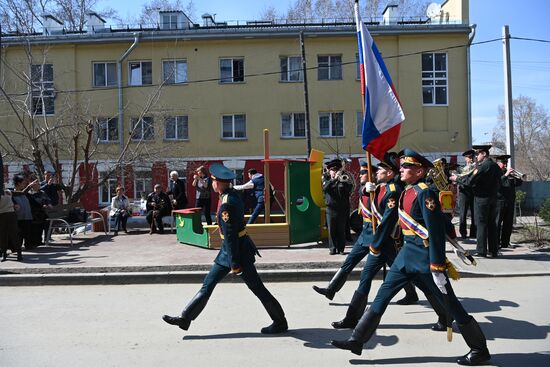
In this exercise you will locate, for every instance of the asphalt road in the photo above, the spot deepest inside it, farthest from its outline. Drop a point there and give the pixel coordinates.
(120, 325)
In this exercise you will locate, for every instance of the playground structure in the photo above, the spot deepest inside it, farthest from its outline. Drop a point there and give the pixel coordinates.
(301, 219)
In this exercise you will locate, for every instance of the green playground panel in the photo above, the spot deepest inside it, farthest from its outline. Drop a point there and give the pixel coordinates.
(189, 229)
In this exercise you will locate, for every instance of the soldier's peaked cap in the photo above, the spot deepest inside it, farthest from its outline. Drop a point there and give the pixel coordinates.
(391, 161)
(220, 172)
(410, 156)
(484, 147)
(469, 153)
(503, 157)
(335, 163)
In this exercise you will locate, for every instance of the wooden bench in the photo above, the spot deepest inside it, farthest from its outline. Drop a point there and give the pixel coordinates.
(58, 218)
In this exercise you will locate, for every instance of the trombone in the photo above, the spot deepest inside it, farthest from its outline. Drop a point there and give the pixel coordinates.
(517, 174)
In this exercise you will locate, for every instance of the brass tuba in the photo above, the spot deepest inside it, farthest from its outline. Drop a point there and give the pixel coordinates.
(441, 182)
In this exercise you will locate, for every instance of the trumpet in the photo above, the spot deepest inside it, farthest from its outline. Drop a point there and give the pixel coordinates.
(517, 174)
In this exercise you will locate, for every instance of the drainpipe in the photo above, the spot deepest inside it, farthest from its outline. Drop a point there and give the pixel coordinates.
(470, 40)
(121, 102)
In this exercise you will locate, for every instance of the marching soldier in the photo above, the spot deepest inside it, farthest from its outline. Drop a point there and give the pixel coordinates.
(337, 189)
(236, 256)
(422, 258)
(506, 199)
(382, 244)
(466, 197)
(484, 182)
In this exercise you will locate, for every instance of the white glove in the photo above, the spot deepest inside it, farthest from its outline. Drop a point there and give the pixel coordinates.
(370, 186)
(440, 280)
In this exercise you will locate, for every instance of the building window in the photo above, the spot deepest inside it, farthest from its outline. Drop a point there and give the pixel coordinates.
(293, 125)
(174, 71)
(104, 74)
(331, 124)
(142, 184)
(176, 128)
(231, 70)
(107, 190)
(234, 126)
(434, 79)
(291, 69)
(169, 21)
(107, 129)
(42, 90)
(142, 129)
(359, 123)
(141, 73)
(329, 67)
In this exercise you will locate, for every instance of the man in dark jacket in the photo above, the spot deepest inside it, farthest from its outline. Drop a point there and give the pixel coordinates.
(236, 256)
(158, 206)
(177, 190)
(506, 200)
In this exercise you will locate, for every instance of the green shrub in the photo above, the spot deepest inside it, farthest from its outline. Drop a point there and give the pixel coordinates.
(544, 211)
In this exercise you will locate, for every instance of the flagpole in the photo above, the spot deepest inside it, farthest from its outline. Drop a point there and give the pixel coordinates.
(369, 160)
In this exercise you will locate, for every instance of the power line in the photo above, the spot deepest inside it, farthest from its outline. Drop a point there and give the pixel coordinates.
(530, 39)
(268, 73)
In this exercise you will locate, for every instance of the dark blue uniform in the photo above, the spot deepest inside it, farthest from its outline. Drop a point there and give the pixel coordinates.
(423, 253)
(237, 254)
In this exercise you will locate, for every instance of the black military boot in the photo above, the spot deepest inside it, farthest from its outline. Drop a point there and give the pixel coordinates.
(410, 297)
(474, 337)
(335, 284)
(441, 324)
(353, 314)
(277, 314)
(361, 334)
(190, 313)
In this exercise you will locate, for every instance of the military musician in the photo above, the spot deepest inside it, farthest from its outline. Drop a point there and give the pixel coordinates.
(506, 199)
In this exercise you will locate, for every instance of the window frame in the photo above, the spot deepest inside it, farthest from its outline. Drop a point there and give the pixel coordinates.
(106, 71)
(184, 119)
(143, 181)
(359, 123)
(141, 63)
(285, 75)
(42, 90)
(110, 185)
(331, 128)
(433, 82)
(107, 121)
(175, 63)
(234, 76)
(233, 132)
(331, 65)
(142, 138)
(292, 125)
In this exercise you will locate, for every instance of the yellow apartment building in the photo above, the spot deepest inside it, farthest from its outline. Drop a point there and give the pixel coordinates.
(185, 94)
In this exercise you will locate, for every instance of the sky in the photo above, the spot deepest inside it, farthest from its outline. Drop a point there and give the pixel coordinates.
(530, 59)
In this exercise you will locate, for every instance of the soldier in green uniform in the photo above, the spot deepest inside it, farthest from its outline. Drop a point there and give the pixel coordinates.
(484, 182)
(422, 259)
(506, 200)
(236, 256)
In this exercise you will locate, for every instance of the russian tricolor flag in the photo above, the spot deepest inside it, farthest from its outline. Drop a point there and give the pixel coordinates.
(383, 112)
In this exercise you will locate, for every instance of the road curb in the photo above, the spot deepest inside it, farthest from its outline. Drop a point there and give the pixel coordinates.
(197, 277)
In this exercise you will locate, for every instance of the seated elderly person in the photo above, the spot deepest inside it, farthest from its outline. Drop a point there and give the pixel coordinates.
(158, 206)
(120, 210)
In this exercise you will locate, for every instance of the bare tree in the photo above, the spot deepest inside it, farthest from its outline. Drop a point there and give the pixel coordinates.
(25, 16)
(270, 13)
(531, 137)
(37, 137)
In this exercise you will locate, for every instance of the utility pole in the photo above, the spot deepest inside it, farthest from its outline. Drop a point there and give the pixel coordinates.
(306, 94)
(508, 105)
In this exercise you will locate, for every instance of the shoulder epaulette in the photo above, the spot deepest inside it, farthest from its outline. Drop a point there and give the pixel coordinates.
(392, 187)
(224, 198)
(423, 185)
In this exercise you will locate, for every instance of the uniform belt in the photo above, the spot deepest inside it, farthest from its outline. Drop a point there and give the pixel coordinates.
(241, 234)
(366, 219)
(408, 232)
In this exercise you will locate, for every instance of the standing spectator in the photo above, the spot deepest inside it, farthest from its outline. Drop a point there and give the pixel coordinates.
(120, 210)
(158, 206)
(8, 227)
(51, 188)
(203, 184)
(466, 197)
(485, 183)
(257, 184)
(506, 199)
(39, 204)
(337, 189)
(177, 191)
(23, 211)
